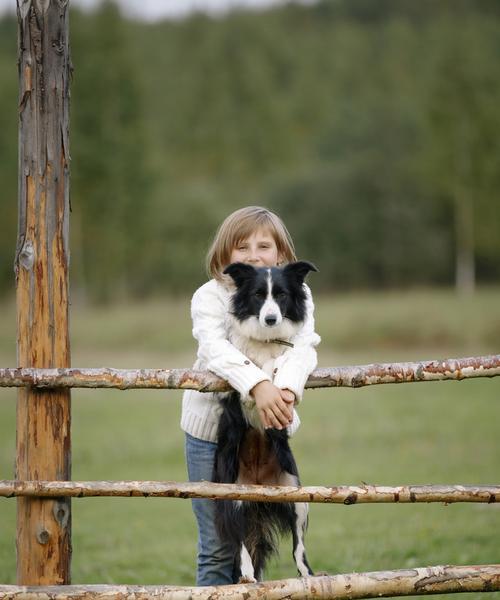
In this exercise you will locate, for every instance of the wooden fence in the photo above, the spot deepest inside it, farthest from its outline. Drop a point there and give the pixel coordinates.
(406, 582)
(203, 381)
(424, 580)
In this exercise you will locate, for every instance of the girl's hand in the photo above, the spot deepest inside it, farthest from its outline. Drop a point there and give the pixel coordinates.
(288, 396)
(273, 409)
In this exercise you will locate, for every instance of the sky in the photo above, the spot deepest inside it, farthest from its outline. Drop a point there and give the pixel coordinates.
(156, 9)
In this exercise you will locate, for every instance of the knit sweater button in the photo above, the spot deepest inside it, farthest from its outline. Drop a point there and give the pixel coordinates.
(247, 362)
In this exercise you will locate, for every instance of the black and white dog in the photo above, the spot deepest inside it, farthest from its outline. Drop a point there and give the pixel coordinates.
(268, 309)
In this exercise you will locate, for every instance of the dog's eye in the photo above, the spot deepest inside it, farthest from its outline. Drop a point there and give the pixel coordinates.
(260, 295)
(281, 295)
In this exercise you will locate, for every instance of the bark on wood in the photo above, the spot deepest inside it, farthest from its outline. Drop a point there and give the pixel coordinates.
(405, 582)
(259, 493)
(204, 381)
(41, 267)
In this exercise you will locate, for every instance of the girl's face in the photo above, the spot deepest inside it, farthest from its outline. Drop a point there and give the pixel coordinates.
(258, 250)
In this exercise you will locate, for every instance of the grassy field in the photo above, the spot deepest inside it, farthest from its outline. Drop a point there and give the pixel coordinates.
(416, 433)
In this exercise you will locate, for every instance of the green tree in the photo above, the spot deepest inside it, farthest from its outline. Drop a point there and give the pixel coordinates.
(112, 184)
(463, 148)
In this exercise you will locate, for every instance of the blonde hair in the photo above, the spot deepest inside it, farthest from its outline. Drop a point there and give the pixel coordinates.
(240, 225)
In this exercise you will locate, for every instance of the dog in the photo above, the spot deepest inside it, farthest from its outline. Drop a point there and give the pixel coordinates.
(268, 308)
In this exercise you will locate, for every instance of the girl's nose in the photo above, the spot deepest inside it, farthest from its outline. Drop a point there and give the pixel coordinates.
(254, 256)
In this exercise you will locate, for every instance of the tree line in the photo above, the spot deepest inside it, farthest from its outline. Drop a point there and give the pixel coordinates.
(372, 128)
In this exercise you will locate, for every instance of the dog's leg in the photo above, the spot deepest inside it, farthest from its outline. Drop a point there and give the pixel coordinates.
(230, 434)
(246, 566)
(283, 452)
(298, 525)
(263, 550)
(301, 510)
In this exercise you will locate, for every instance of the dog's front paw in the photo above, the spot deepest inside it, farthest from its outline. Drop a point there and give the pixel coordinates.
(247, 579)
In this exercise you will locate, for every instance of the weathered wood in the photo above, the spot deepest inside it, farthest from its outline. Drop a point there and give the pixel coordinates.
(204, 381)
(41, 267)
(405, 582)
(259, 493)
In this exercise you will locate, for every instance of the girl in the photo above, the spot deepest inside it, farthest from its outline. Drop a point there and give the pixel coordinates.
(258, 237)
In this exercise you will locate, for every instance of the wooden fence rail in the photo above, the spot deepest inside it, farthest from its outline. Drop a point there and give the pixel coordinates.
(348, 376)
(257, 493)
(405, 582)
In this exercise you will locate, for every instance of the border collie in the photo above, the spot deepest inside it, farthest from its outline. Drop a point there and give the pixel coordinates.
(268, 309)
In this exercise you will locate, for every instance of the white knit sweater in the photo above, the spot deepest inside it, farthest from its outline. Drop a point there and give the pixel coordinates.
(210, 307)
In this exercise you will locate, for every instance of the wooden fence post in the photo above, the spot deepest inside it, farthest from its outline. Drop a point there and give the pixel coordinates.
(41, 267)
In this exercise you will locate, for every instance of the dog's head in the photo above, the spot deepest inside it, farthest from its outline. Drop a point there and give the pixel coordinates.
(270, 296)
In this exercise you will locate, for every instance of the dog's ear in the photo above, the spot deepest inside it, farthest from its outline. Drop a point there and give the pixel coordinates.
(240, 272)
(299, 270)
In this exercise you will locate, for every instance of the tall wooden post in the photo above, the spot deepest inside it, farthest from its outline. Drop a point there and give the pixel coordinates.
(41, 266)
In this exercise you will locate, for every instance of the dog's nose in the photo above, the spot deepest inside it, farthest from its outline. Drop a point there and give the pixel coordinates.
(271, 320)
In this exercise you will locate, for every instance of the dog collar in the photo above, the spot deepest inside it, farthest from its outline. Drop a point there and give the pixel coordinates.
(281, 342)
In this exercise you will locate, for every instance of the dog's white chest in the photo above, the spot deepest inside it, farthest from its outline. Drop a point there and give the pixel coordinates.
(263, 354)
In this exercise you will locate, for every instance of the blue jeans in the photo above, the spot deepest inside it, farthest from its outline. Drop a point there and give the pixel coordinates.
(215, 559)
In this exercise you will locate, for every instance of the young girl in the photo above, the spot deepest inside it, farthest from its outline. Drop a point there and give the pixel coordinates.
(258, 237)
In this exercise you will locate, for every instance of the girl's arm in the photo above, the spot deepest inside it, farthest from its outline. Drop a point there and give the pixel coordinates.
(295, 365)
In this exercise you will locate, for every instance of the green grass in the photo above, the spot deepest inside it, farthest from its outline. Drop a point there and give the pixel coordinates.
(445, 432)
(374, 326)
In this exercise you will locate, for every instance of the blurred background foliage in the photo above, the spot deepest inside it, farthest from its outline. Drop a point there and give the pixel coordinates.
(372, 128)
